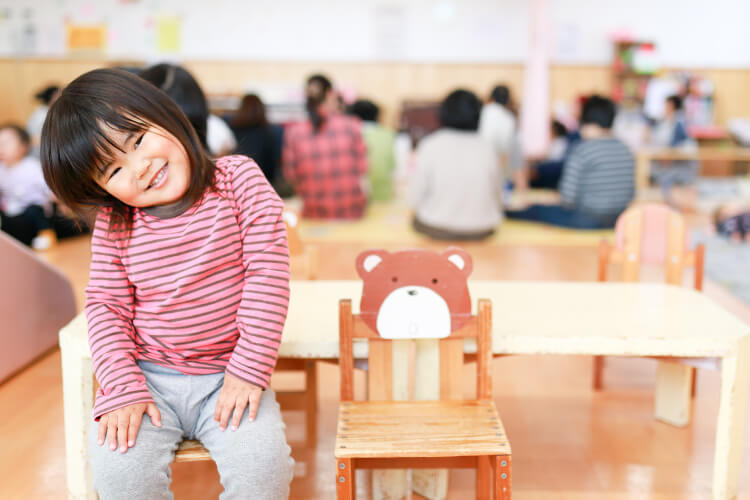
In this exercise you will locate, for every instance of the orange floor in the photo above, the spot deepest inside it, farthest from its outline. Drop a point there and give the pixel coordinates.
(568, 442)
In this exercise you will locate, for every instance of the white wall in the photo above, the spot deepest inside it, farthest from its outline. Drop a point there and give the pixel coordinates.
(691, 34)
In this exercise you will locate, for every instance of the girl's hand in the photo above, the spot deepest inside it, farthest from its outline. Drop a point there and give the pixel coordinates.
(235, 395)
(122, 425)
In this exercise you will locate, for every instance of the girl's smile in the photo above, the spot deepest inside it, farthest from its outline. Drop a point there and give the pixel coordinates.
(152, 169)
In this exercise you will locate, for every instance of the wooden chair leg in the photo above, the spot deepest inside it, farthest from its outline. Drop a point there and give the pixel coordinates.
(311, 402)
(484, 478)
(345, 486)
(692, 385)
(598, 373)
(502, 481)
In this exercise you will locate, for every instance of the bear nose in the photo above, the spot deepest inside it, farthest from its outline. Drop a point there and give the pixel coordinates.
(412, 292)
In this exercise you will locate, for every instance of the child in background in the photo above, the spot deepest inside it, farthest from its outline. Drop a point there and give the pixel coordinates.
(325, 158)
(558, 146)
(25, 199)
(732, 220)
(188, 290)
(457, 187)
(671, 132)
(46, 97)
(597, 181)
(380, 155)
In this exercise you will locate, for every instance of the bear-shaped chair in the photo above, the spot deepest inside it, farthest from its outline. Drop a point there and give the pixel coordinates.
(420, 295)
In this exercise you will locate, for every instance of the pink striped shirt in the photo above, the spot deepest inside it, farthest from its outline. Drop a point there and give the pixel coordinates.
(203, 292)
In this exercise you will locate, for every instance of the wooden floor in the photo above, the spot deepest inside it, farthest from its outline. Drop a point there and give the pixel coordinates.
(568, 442)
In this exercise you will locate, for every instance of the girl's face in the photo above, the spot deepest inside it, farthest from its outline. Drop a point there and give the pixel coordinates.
(154, 169)
(12, 148)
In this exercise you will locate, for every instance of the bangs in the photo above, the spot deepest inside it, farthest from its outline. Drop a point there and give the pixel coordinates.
(103, 147)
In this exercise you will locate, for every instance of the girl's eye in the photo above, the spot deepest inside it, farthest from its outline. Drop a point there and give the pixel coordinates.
(138, 142)
(114, 172)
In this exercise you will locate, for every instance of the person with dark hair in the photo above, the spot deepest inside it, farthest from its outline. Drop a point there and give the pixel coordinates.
(188, 289)
(598, 177)
(25, 200)
(46, 96)
(380, 142)
(256, 138)
(325, 158)
(497, 124)
(456, 190)
(671, 132)
(183, 89)
(179, 84)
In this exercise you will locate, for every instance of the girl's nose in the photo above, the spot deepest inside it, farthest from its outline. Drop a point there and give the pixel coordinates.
(143, 167)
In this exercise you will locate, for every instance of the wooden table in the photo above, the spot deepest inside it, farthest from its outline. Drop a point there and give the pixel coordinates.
(644, 157)
(620, 319)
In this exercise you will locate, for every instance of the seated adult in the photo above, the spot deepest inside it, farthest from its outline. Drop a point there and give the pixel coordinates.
(256, 138)
(598, 179)
(325, 158)
(457, 187)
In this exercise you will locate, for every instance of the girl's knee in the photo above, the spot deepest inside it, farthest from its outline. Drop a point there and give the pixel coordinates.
(128, 475)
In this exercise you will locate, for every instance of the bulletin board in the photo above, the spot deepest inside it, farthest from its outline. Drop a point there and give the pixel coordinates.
(687, 34)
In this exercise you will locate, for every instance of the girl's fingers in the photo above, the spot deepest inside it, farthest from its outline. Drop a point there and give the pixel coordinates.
(122, 431)
(153, 412)
(102, 434)
(226, 410)
(112, 432)
(135, 424)
(239, 409)
(252, 409)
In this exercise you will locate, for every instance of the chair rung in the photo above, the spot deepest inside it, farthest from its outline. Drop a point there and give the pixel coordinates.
(191, 451)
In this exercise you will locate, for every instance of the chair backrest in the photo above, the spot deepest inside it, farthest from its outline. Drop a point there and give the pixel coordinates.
(380, 355)
(302, 255)
(652, 233)
(415, 297)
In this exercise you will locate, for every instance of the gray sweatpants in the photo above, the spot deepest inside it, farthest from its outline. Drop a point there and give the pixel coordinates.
(253, 462)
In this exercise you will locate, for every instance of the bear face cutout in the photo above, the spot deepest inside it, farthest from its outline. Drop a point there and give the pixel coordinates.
(415, 293)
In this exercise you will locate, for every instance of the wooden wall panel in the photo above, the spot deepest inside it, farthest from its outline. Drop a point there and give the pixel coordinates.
(386, 83)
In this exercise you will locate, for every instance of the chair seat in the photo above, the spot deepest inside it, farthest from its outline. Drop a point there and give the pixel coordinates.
(191, 451)
(383, 429)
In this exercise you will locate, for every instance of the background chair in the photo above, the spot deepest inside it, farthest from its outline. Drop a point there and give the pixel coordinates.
(655, 234)
(451, 432)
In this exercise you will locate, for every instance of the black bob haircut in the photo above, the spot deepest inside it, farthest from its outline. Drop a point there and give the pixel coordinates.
(365, 109)
(76, 144)
(183, 88)
(460, 110)
(500, 94)
(598, 110)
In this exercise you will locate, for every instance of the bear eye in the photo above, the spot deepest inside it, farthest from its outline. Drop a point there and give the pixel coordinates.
(394, 279)
(434, 281)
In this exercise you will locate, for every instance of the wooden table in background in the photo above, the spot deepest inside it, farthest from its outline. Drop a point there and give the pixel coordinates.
(613, 319)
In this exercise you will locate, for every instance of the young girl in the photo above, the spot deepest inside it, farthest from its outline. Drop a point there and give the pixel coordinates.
(187, 295)
(25, 200)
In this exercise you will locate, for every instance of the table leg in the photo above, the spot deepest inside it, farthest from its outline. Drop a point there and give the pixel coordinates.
(672, 397)
(78, 401)
(735, 369)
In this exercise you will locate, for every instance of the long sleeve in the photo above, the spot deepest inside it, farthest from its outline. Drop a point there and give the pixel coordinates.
(572, 177)
(360, 152)
(265, 258)
(109, 312)
(289, 157)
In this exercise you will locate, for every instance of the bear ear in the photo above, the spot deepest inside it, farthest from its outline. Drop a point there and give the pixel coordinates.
(369, 260)
(291, 218)
(460, 258)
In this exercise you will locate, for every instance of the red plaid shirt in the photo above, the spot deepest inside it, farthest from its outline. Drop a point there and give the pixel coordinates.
(327, 168)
